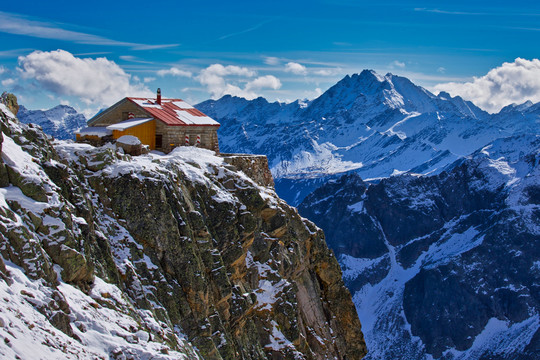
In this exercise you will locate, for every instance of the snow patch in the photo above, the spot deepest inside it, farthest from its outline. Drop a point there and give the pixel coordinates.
(129, 140)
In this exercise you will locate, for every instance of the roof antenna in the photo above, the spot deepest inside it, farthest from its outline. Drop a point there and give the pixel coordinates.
(158, 99)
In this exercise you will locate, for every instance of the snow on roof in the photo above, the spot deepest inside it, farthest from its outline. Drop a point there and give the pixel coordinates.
(94, 131)
(182, 104)
(129, 140)
(191, 119)
(123, 125)
(145, 103)
(175, 112)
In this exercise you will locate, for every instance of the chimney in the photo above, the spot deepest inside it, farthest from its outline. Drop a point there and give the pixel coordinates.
(158, 99)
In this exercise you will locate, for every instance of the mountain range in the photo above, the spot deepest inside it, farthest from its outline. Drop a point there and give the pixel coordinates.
(369, 124)
(430, 203)
(61, 121)
(443, 266)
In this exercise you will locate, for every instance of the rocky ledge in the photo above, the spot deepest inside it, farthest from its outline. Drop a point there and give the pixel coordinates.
(182, 256)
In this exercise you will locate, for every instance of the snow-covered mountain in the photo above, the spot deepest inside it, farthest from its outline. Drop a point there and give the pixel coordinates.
(61, 121)
(443, 266)
(367, 123)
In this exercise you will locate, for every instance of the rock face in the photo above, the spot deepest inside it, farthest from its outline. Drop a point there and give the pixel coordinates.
(254, 166)
(10, 101)
(130, 145)
(443, 266)
(169, 257)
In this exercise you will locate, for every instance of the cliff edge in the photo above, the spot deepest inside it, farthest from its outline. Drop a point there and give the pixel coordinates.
(182, 256)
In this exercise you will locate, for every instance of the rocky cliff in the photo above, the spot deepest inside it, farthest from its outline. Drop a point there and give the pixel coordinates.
(183, 256)
(443, 266)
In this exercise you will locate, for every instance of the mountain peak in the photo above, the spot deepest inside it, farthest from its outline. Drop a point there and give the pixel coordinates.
(365, 77)
(517, 107)
(60, 121)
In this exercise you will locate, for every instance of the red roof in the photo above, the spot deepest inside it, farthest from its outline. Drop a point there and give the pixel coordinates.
(174, 112)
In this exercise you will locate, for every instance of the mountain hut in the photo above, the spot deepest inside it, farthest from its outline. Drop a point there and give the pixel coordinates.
(161, 124)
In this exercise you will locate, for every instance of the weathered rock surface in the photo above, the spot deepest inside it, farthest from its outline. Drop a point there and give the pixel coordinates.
(254, 166)
(443, 266)
(10, 101)
(176, 256)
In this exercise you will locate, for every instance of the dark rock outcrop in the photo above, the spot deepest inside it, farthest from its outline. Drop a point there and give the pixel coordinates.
(456, 254)
(10, 101)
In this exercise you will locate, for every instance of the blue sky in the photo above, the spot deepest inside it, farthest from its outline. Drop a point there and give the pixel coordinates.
(91, 54)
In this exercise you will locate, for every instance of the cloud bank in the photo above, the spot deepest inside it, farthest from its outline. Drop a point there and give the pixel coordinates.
(174, 71)
(95, 81)
(296, 68)
(233, 80)
(512, 82)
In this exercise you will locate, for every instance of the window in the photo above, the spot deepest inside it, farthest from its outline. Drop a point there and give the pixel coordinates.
(159, 141)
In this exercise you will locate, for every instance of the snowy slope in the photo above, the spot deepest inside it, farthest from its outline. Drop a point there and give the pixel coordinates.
(98, 332)
(367, 123)
(61, 121)
(443, 266)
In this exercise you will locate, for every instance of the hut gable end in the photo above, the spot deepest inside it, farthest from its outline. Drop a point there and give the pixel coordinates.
(117, 113)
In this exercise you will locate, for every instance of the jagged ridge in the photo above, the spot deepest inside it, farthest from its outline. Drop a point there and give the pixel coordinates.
(60, 122)
(367, 123)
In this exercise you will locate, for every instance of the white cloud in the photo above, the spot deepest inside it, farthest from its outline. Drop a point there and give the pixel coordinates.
(514, 82)
(149, 79)
(271, 60)
(295, 68)
(8, 82)
(2, 69)
(217, 80)
(312, 94)
(95, 81)
(264, 82)
(441, 70)
(327, 72)
(174, 71)
(128, 57)
(220, 70)
(397, 64)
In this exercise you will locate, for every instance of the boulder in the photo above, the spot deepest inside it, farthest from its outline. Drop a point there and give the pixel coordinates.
(130, 144)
